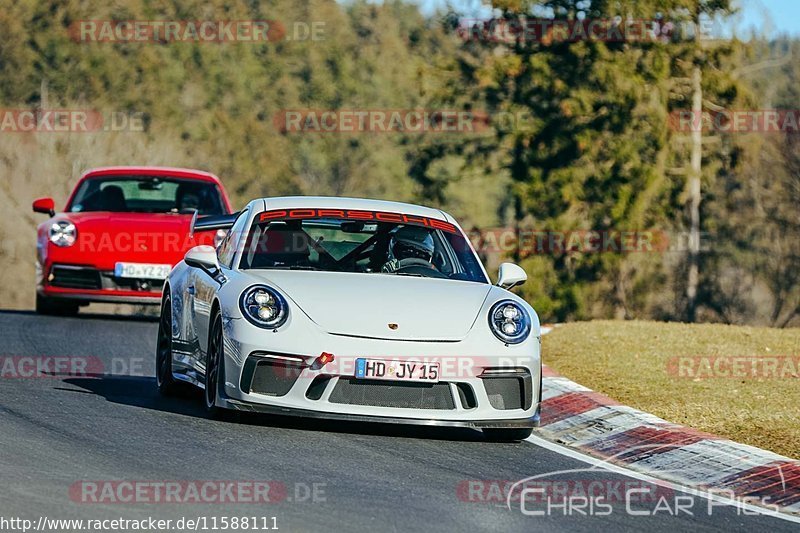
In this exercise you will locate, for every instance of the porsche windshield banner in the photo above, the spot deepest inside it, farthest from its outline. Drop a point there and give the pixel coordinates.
(365, 216)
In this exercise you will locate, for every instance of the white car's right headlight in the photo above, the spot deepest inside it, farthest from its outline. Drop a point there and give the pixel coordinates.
(509, 322)
(63, 233)
(264, 306)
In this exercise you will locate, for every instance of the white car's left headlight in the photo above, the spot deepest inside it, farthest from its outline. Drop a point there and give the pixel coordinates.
(509, 322)
(264, 306)
(63, 233)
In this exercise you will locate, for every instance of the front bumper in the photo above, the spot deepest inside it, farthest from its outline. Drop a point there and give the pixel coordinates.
(500, 390)
(523, 423)
(88, 284)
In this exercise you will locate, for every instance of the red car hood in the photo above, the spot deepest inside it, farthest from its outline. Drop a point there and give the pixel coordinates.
(105, 238)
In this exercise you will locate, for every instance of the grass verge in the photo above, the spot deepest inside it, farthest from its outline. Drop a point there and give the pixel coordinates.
(738, 382)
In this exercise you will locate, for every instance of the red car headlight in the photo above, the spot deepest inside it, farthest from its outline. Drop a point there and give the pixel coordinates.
(63, 233)
(219, 236)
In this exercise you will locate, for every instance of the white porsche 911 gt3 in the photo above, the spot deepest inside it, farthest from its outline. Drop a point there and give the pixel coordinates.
(351, 309)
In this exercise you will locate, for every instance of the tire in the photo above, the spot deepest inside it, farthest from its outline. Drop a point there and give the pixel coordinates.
(215, 371)
(167, 385)
(507, 435)
(49, 306)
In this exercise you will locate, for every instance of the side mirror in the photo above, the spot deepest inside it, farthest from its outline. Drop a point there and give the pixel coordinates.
(44, 205)
(510, 276)
(204, 257)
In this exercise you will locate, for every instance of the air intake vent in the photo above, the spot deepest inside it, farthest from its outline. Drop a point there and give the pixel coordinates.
(317, 387)
(467, 396)
(508, 390)
(273, 377)
(75, 278)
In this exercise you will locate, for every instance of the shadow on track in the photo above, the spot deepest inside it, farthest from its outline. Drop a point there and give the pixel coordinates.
(141, 392)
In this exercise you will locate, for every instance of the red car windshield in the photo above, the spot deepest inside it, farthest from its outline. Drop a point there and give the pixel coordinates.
(147, 194)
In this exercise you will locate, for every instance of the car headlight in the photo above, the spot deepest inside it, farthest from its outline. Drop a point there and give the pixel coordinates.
(63, 233)
(509, 322)
(264, 307)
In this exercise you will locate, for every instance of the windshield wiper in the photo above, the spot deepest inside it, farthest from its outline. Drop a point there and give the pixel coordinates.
(411, 274)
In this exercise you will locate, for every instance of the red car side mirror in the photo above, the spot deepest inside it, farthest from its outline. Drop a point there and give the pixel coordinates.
(44, 205)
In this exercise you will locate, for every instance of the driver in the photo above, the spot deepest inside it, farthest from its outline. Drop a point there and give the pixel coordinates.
(409, 246)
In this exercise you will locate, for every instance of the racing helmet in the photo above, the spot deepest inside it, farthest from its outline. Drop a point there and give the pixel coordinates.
(412, 242)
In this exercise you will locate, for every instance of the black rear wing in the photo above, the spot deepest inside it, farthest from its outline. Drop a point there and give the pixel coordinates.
(212, 222)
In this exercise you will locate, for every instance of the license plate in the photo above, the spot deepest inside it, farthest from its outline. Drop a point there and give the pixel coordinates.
(142, 270)
(397, 370)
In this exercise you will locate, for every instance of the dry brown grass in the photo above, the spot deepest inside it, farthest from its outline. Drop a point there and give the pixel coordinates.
(629, 362)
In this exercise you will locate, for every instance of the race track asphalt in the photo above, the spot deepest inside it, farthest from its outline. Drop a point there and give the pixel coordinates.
(58, 430)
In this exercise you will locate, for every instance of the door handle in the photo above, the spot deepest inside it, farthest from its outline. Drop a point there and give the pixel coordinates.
(190, 289)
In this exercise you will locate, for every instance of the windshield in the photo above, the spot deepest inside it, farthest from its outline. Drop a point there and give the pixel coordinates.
(418, 246)
(147, 194)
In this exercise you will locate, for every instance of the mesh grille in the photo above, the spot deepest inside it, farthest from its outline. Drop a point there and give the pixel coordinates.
(504, 392)
(274, 378)
(394, 394)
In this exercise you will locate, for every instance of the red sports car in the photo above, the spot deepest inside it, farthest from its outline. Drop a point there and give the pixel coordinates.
(123, 230)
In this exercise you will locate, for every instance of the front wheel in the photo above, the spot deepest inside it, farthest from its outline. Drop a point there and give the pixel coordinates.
(167, 385)
(507, 435)
(215, 370)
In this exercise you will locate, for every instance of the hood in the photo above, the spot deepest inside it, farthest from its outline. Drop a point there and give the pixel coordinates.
(135, 237)
(364, 305)
(106, 219)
